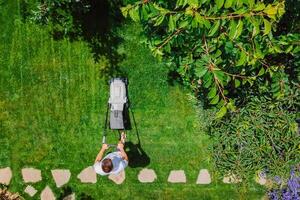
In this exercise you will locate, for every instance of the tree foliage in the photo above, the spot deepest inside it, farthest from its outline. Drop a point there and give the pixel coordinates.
(218, 46)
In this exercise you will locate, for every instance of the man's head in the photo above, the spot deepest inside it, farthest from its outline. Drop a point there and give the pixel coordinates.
(107, 165)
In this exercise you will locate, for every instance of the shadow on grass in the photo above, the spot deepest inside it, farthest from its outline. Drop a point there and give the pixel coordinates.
(98, 27)
(136, 155)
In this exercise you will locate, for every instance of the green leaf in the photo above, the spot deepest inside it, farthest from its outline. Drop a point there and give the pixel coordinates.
(267, 25)
(259, 7)
(271, 11)
(256, 29)
(215, 100)
(239, 29)
(207, 80)
(237, 83)
(232, 29)
(134, 14)
(159, 20)
(228, 3)
(193, 3)
(221, 112)
(242, 59)
(212, 93)
(219, 3)
(261, 71)
(200, 71)
(219, 75)
(250, 3)
(171, 23)
(214, 29)
(183, 24)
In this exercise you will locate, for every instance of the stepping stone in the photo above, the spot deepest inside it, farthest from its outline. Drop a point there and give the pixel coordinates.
(31, 175)
(88, 175)
(70, 197)
(147, 176)
(231, 179)
(203, 177)
(177, 176)
(61, 176)
(117, 178)
(31, 191)
(47, 194)
(5, 175)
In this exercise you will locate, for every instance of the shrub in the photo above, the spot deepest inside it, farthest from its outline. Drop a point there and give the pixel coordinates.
(260, 136)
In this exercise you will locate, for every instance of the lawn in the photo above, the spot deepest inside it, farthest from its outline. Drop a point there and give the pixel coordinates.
(52, 109)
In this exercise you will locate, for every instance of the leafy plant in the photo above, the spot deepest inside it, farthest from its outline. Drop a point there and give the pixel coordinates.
(218, 46)
(261, 136)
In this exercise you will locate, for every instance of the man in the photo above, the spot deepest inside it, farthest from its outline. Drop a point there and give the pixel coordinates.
(112, 163)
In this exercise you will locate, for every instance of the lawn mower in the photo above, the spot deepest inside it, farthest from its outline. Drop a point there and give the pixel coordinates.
(117, 107)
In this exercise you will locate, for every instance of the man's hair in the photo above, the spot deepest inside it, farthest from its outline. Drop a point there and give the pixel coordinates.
(107, 165)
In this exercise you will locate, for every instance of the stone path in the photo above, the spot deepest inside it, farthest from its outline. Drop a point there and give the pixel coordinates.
(30, 190)
(31, 175)
(147, 176)
(177, 176)
(47, 194)
(61, 176)
(119, 178)
(88, 175)
(203, 177)
(5, 175)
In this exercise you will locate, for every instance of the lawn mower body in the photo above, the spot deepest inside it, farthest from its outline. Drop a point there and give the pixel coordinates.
(117, 105)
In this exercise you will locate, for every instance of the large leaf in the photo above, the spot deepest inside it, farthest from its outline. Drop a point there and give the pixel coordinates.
(267, 26)
(270, 11)
(239, 29)
(232, 29)
(219, 3)
(215, 100)
(242, 59)
(221, 112)
(214, 29)
(171, 23)
(212, 93)
(193, 3)
(228, 3)
(134, 14)
(200, 71)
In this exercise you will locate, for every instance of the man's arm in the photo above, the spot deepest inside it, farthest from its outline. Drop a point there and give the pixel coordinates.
(123, 153)
(101, 152)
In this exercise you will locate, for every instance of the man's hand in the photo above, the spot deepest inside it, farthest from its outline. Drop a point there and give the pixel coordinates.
(100, 154)
(104, 147)
(120, 146)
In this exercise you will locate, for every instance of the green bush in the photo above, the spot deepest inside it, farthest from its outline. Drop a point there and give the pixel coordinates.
(218, 46)
(260, 136)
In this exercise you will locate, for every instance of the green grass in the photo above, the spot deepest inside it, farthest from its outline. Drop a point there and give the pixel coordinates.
(52, 108)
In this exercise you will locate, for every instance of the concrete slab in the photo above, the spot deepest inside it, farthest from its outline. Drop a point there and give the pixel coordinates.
(47, 194)
(88, 175)
(177, 176)
(30, 190)
(5, 175)
(147, 176)
(31, 175)
(203, 177)
(61, 176)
